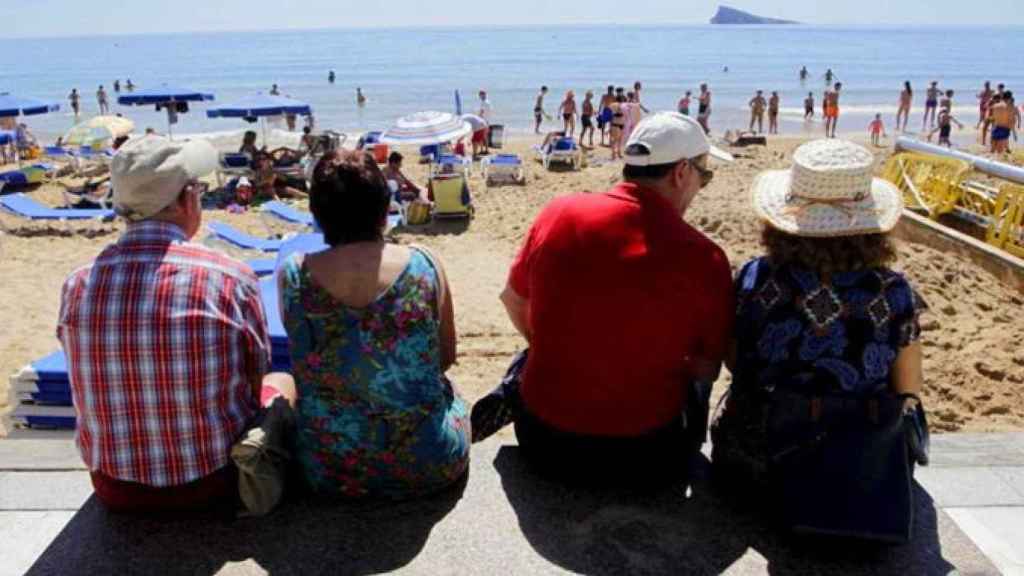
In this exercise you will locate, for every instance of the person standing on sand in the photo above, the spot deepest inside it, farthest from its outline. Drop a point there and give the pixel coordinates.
(481, 138)
(101, 100)
(636, 91)
(1003, 121)
(618, 125)
(568, 111)
(906, 101)
(946, 104)
(634, 113)
(75, 101)
(684, 103)
(587, 118)
(984, 119)
(773, 113)
(931, 106)
(604, 121)
(809, 106)
(945, 128)
(538, 109)
(877, 130)
(704, 108)
(832, 110)
(757, 105)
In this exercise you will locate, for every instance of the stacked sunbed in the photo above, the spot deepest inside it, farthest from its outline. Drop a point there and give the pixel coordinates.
(42, 390)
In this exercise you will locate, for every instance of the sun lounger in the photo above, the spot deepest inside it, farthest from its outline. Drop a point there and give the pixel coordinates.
(563, 150)
(451, 197)
(263, 266)
(25, 207)
(232, 165)
(44, 416)
(25, 176)
(447, 163)
(287, 213)
(236, 237)
(43, 393)
(502, 168)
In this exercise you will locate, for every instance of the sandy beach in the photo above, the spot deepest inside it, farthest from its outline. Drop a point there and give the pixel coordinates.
(974, 368)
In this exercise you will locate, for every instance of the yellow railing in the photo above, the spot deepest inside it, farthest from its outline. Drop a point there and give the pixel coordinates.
(931, 183)
(1006, 226)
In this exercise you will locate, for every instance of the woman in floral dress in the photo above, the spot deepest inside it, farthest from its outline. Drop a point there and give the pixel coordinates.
(371, 333)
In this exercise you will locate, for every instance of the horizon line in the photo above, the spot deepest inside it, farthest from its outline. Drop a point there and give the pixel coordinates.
(455, 27)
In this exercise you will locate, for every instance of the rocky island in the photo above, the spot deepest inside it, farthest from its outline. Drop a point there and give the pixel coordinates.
(727, 15)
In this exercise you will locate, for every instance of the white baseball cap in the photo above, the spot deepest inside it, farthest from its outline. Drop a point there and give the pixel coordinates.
(668, 137)
(148, 173)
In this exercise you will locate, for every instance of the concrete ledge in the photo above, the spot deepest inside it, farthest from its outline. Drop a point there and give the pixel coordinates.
(505, 519)
(50, 454)
(915, 228)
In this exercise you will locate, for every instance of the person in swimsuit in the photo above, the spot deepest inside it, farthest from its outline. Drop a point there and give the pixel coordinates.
(331, 77)
(634, 113)
(636, 93)
(360, 98)
(946, 104)
(1003, 121)
(568, 111)
(906, 101)
(75, 100)
(931, 105)
(945, 128)
(809, 106)
(604, 120)
(684, 104)
(586, 118)
(538, 109)
(984, 99)
(128, 85)
(877, 130)
(803, 74)
(832, 110)
(773, 113)
(829, 76)
(757, 105)
(618, 124)
(704, 108)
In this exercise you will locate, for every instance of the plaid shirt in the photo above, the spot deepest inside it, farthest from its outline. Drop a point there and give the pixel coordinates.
(164, 341)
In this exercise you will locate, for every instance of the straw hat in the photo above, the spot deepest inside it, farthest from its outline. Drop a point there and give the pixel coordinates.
(828, 192)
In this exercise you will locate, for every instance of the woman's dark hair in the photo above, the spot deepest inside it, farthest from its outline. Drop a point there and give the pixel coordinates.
(909, 89)
(828, 256)
(395, 158)
(349, 198)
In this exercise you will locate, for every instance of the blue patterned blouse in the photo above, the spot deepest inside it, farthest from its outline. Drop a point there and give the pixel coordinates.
(376, 417)
(795, 332)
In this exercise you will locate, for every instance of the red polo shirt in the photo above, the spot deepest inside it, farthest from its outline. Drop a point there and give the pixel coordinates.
(626, 302)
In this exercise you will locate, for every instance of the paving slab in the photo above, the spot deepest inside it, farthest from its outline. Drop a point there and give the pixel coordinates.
(22, 491)
(25, 535)
(998, 532)
(504, 519)
(969, 486)
(976, 449)
(49, 453)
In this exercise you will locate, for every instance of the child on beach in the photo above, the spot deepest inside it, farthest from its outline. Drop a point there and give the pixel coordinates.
(945, 128)
(809, 106)
(684, 104)
(877, 129)
(586, 118)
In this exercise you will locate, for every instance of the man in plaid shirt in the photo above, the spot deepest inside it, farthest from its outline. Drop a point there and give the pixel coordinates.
(166, 342)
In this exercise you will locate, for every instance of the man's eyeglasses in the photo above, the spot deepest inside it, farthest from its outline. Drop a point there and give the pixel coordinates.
(700, 164)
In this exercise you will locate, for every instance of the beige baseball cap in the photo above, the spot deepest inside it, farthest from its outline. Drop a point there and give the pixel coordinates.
(668, 137)
(148, 173)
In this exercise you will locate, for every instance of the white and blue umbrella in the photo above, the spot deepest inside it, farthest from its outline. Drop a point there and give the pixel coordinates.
(424, 128)
(11, 106)
(163, 96)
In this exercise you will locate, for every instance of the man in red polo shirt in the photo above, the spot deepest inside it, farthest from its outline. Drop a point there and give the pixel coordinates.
(624, 306)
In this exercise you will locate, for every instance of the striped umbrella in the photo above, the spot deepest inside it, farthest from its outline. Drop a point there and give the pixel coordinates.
(475, 122)
(423, 128)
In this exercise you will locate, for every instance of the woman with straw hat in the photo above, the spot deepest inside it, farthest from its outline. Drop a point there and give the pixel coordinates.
(821, 318)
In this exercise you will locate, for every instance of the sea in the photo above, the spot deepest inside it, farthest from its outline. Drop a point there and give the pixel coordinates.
(412, 69)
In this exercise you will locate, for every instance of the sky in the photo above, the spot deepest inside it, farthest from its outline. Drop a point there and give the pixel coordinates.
(78, 17)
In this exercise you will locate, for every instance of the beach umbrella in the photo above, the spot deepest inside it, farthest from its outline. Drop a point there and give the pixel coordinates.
(424, 128)
(98, 129)
(458, 103)
(167, 97)
(261, 106)
(11, 106)
(475, 122)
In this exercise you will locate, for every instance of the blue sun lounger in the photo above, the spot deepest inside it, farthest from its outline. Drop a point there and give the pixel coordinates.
(22, 205)
(287, 213)
(43, 392)
(236, 237)
(262, 266)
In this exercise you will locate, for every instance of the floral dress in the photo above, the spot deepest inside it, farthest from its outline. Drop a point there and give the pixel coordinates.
(795, 331)
(375, 415)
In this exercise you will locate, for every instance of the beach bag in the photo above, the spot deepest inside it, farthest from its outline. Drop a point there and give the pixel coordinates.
(825, 465)
(262, 457)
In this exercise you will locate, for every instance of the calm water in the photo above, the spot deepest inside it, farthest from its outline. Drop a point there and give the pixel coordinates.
(405, 70)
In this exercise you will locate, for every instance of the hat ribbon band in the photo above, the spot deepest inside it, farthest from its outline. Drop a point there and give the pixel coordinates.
(841, 204)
